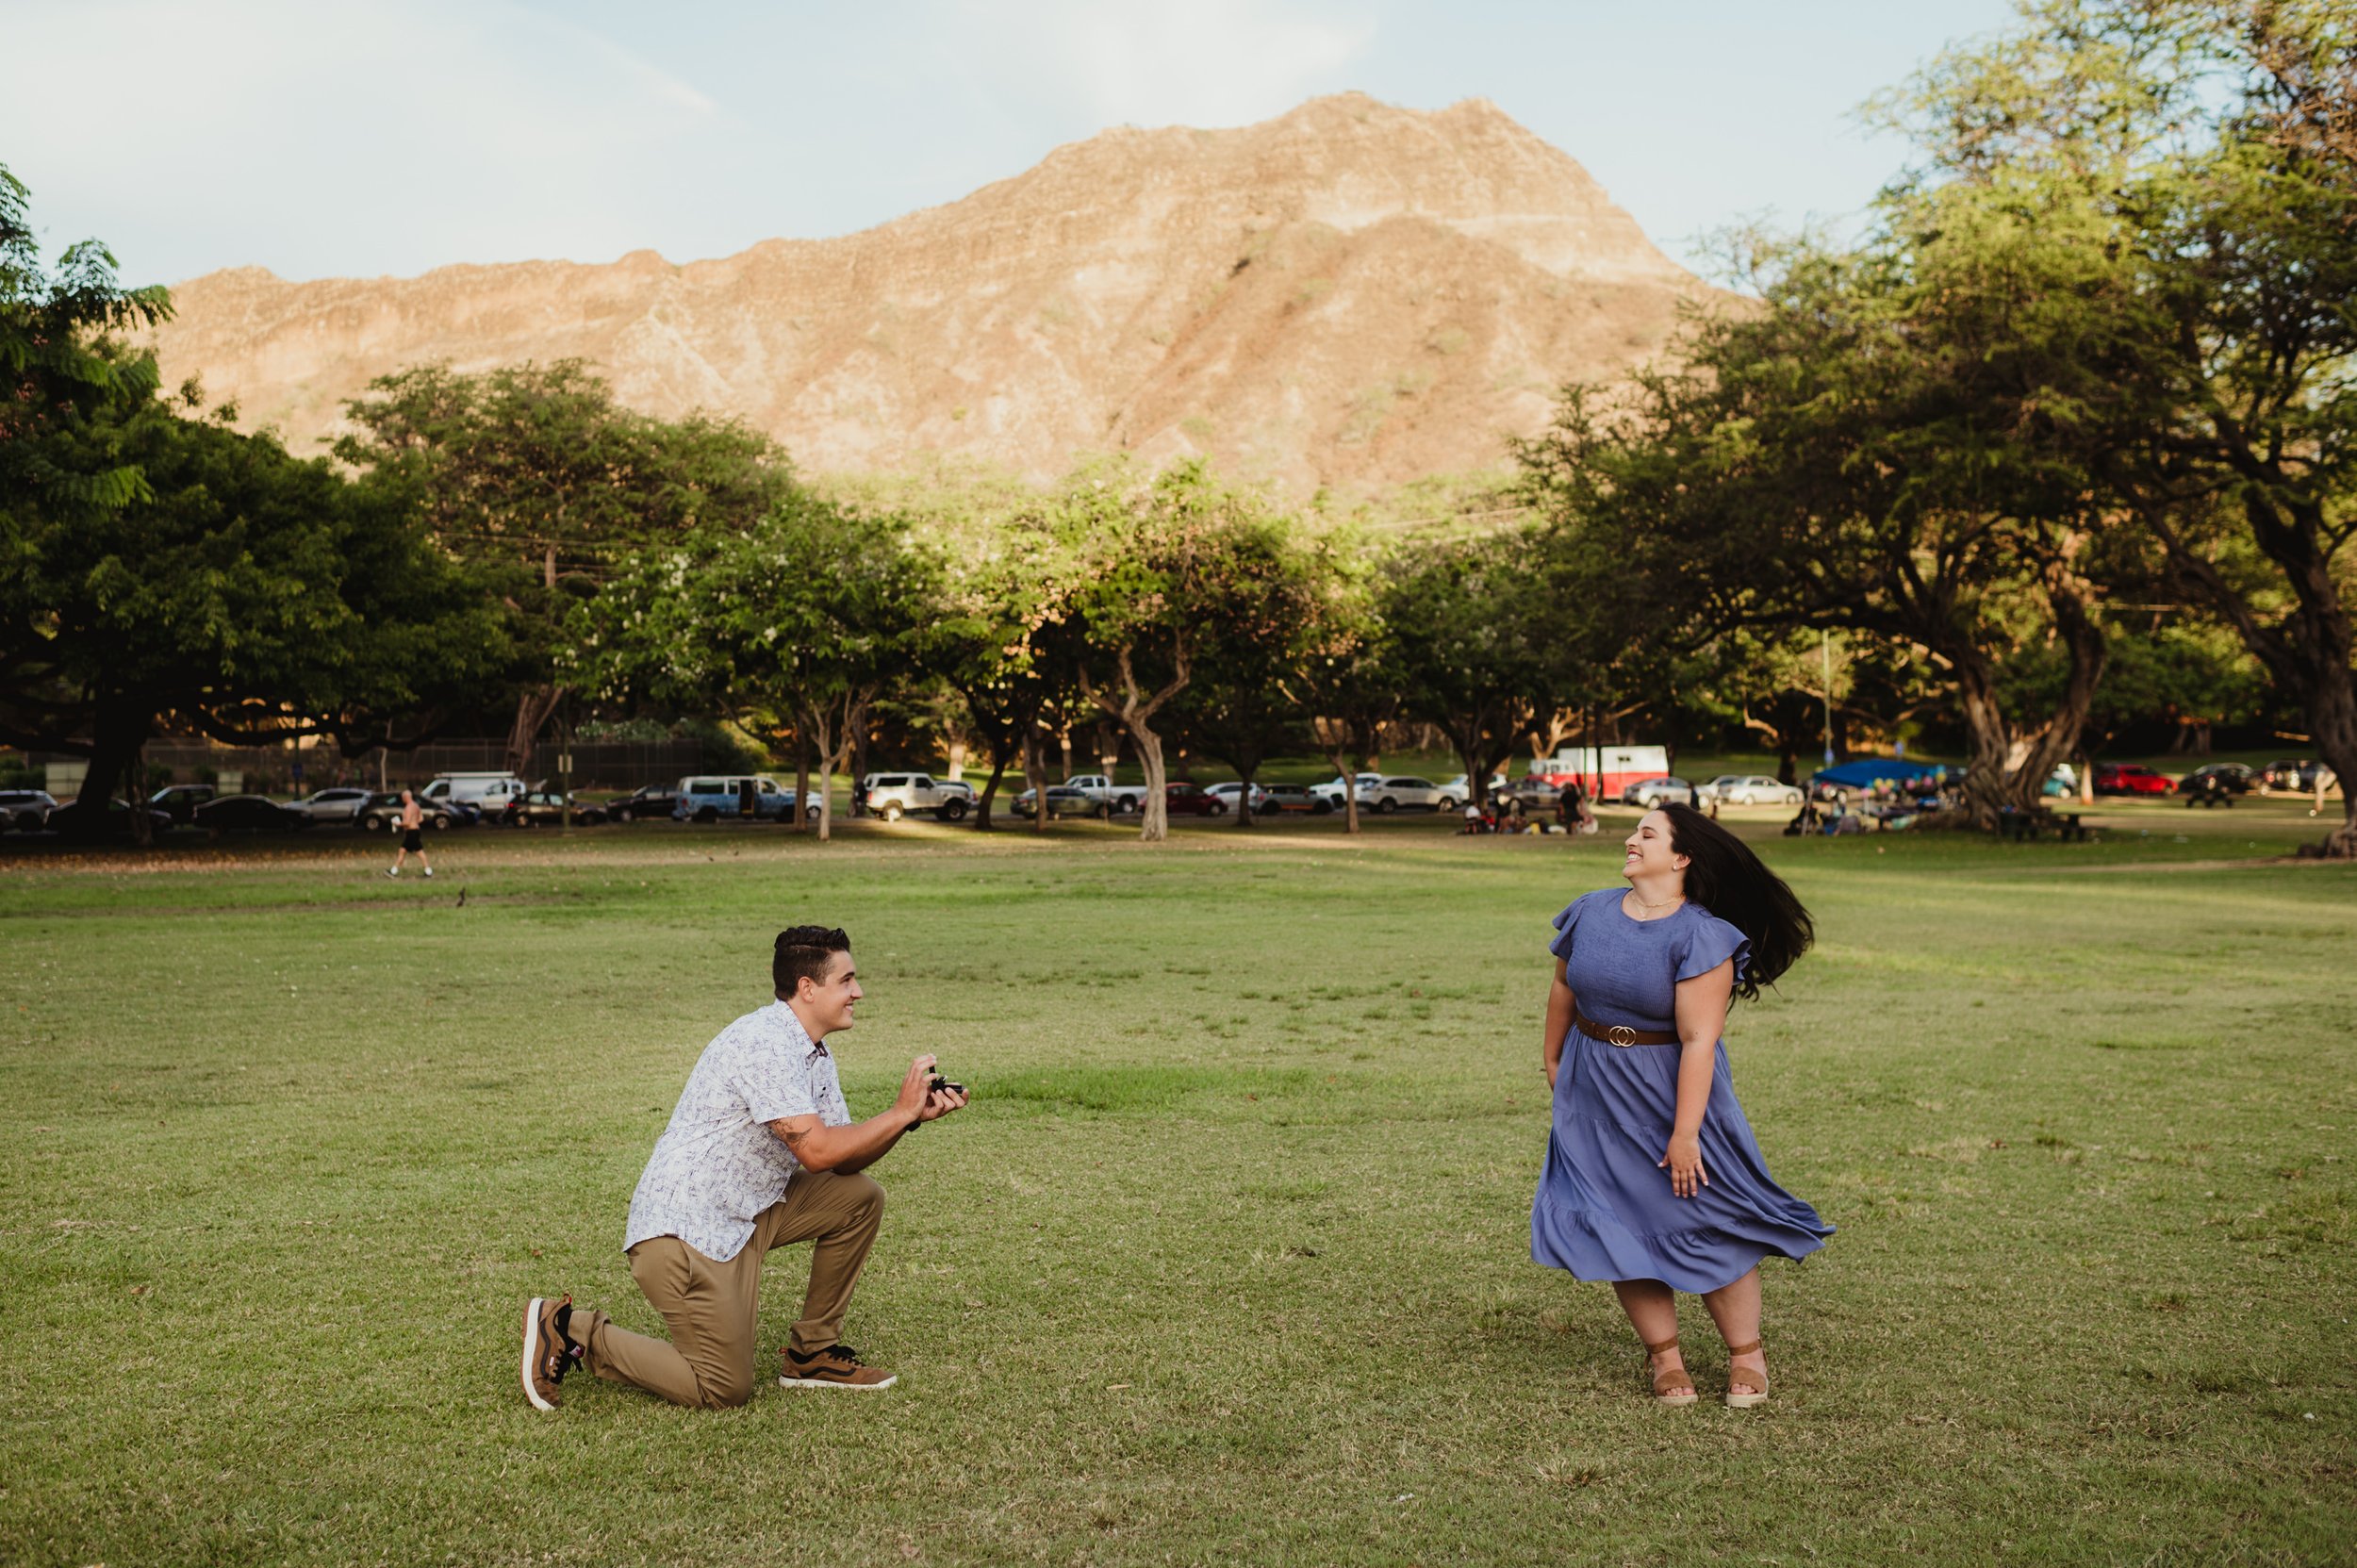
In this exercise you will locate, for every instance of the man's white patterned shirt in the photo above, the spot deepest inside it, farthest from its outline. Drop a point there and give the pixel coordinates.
(717, 1166)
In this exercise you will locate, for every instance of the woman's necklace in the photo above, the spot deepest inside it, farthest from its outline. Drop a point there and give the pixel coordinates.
(1644, 903)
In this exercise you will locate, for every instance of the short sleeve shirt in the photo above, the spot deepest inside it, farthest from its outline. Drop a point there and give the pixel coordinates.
(717, 1166)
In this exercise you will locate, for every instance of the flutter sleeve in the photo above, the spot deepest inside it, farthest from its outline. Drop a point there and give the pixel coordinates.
(1710, 942)
(1561, 946)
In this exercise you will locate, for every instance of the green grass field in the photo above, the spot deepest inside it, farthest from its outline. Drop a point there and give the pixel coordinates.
(1228, 1262)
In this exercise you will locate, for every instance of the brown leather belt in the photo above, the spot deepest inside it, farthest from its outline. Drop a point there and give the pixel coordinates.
(1621, 1035)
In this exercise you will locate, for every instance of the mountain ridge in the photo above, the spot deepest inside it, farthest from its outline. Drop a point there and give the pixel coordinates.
(1349, 295)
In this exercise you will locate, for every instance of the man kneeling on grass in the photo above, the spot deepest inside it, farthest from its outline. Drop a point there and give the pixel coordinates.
(761, 1152)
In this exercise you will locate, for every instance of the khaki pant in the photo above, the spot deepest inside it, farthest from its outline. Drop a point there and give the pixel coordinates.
(710, 1307)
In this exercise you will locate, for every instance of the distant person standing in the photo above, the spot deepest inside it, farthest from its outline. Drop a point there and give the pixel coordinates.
(1653, 1180)
(412, 823)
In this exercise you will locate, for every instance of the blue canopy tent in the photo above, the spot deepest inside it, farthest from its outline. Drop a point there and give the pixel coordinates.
(1870, 771)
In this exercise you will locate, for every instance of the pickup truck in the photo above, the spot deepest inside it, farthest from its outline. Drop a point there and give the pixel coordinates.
(893, 796)
(1123, 800)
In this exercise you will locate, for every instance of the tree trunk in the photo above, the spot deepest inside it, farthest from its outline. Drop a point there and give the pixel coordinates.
(2010, 765)
(2312, 653)
(1035, 775)
(2333, 719)
(990, 793)
(532, 707)
(1243, 797)
(802, 780)
(1108, 748)
(1135, 710)
(1156, 806)
(119, 732)
(1350, 790)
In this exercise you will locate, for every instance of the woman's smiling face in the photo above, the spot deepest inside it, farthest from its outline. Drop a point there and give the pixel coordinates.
(1649, 852)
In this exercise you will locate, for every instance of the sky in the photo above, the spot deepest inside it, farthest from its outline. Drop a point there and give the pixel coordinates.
(322, 138)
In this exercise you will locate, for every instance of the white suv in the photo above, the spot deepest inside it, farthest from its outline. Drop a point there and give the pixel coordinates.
(1391, 794)
(893, 796)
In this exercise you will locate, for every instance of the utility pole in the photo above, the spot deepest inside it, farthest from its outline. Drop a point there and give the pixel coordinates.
(1826, 648)
(565, 766)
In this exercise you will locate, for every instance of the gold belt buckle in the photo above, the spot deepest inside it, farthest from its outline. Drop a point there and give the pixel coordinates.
(1620, 1034)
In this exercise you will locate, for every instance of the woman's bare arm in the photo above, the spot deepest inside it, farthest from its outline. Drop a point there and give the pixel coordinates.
(1559, 1004)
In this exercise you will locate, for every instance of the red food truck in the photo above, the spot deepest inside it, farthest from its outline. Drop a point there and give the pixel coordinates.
(1603, 772)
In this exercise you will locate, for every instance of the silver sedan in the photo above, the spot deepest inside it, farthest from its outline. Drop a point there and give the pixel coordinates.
(338, 805)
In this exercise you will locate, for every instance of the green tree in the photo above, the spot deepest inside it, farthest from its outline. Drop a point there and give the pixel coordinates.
(536, 476)
(1148, 574)
(1848, 455)
(796, 624)
(246, 593)
(1473, 643)
(988, 636)
(1333, 671)
(1242, 707)
(2200, 160)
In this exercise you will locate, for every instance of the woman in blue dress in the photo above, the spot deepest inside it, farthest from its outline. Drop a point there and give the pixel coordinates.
(1653, 1180)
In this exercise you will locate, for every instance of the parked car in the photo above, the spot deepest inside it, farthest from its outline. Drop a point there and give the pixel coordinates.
(544, 808)
(1405, 792)
(1230, 791)
(708, 798)
(1535, 793)
(644, 804)
(487, 792)
(247, 813)
(1188, 799)
(340, 804)
(893, 796)
(2129, 778)
(2299, 776)
(108, 823)
(1063, 801)
(26, 810)
(2214, 781)
(1118, 798)
(179, 802)
(1751, 789)
(1333, 787)
(1298, 798)
(382, 812)
(1649, 793)
(1460, 788)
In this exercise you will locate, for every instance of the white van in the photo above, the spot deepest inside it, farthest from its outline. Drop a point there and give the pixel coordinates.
(489, 793)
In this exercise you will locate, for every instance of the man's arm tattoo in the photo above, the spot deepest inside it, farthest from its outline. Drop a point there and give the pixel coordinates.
(794, 1137)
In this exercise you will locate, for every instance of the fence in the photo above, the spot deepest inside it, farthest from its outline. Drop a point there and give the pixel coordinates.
(283, 770)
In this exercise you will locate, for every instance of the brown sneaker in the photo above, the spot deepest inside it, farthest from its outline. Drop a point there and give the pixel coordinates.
(836, 1366)
(547, 1354)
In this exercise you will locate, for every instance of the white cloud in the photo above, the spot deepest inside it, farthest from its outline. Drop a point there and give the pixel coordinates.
(436, 128)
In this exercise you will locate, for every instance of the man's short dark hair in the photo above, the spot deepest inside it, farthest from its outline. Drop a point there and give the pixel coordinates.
(805, 950)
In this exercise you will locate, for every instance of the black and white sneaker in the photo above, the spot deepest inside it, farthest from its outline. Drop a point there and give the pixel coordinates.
(836, 1366)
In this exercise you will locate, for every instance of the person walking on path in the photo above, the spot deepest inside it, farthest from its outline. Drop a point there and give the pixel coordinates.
(412, 824)
(1653, 1180)
(761, 1153)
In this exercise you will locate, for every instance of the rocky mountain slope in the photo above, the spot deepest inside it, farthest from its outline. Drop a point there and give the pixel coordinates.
(1350, 295)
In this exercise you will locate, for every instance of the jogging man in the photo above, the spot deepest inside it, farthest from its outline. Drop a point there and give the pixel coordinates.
(761, 1152)
(412, 836)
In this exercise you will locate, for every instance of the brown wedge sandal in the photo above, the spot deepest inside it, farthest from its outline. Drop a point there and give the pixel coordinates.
(1745, 1387)
(1671, 1385)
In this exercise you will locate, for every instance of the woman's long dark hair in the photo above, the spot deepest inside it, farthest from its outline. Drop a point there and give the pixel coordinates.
(1726, 878)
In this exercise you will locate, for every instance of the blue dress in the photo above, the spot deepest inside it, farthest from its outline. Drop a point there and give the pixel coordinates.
(1605, 1209)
